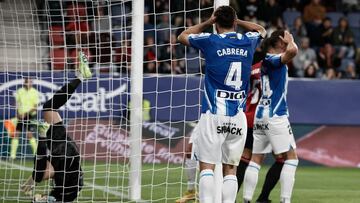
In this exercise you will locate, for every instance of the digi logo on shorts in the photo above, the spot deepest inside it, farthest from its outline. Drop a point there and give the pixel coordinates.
(228, 95)
(229, 128)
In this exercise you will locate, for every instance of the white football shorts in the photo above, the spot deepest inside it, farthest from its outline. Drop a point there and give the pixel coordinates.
(273, 134)
(219, 139)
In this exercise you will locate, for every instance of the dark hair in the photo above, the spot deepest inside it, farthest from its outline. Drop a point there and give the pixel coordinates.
(344, 19)
(27, 78)
(225, 16)
(271, 41)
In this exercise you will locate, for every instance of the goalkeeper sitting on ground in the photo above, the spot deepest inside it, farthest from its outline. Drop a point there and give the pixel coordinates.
(62, 164)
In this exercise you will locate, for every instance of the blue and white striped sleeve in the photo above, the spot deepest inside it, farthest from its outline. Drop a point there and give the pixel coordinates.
(199, 41)
(273, 60)
(255, 39)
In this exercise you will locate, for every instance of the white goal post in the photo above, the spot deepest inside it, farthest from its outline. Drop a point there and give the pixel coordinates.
(136, 98)
(131, 121)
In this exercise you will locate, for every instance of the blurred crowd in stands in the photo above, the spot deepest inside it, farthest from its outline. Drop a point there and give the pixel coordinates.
(327, 33)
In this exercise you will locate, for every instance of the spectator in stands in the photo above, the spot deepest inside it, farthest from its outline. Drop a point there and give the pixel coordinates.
(330, 74)
(342, 34)
(77, 30)
(347, 56)
(104, 46)
(163, 29)
(311, 70)
(270, 11)
(206, 12)
(150, 55)
(150, 67)
(306, 55)
(165, 66)
(250, 10)
(102, 20)
(179, 25)
(314, 13)
(350, 5)
(298, 30)
(176, 67)
(349, 72)
(177, 50)
(190, 22)
(191, 4)
(326, 32)
(76, 17)
(161, 6)
(290, 5)
(149, 49)
(177, 56)
(327, 58)
(149, 28)
(276, 24)
(125, 56)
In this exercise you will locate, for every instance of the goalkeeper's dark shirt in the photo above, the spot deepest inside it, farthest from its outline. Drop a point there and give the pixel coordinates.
(65, 159)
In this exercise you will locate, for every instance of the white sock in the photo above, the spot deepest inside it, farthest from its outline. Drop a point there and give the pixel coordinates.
(287, 179)
(190, 168)
(229, 189)
(250, 180)
(206, 186)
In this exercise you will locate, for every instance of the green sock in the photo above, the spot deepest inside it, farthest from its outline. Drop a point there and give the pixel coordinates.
(14, 147)
(33, 144)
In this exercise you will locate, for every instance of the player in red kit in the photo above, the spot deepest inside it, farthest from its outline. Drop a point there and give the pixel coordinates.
(253, 98)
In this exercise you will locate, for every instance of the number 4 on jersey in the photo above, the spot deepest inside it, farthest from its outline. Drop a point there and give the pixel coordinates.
(233, 77)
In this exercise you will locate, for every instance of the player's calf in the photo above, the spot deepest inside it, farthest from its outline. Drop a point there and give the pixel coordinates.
(287, 176)
(251, 176)
(206, 186)
(272, 177)
(229, 187)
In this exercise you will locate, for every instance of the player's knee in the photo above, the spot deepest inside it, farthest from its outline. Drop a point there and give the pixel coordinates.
(291, 154)
(229, 169)
(188, 150)
(257, 158)
(246, 154)
(279, 159)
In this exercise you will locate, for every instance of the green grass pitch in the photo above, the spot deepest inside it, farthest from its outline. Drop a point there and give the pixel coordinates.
(165, 183)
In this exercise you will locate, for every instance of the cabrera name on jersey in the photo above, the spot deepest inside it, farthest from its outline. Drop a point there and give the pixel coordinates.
(228, 59)
(274, 80)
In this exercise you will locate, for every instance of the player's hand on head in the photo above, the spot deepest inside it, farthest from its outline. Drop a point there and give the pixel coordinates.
(287, 37)
(212, 19)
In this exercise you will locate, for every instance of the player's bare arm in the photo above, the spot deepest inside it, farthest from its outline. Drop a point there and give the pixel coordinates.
(183, 38)
(249, 26)
(291, 48)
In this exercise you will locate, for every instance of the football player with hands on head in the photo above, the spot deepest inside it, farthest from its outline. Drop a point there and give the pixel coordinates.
(272, 130)
(221, 132)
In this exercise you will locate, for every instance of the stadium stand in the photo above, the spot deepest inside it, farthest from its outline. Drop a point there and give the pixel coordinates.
(87, 25)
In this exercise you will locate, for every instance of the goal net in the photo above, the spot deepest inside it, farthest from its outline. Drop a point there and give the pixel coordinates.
(40, 42)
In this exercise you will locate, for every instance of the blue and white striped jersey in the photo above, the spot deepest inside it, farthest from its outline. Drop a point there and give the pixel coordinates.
(274, 80)
(228, 59)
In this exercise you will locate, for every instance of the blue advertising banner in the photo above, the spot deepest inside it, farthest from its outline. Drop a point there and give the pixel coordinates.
(99, 97)
(331, 102)
(178, 98)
